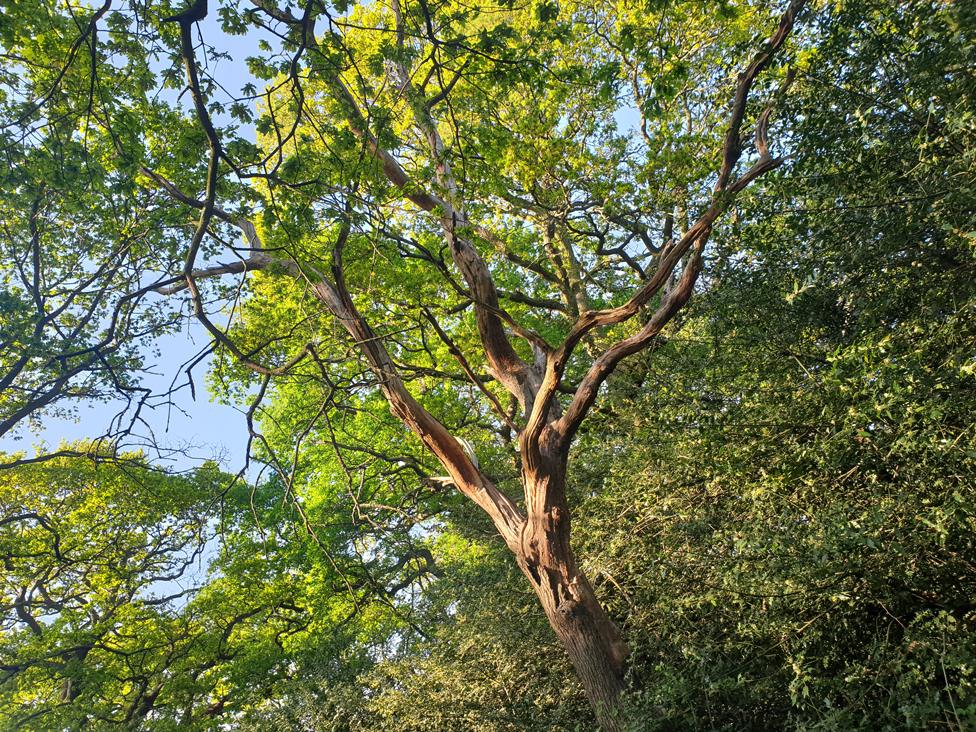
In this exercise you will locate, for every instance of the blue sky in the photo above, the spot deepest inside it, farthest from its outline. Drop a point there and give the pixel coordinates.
(200, 428)
(205, 429)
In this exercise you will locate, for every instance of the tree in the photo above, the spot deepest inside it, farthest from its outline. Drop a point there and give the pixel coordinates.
(397, 148)
(784, 521)
(94, 556)
(785, 518)
(131, 596)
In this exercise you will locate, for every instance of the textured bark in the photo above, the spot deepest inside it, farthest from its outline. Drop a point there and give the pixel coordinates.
(595, 647)
(593, 642)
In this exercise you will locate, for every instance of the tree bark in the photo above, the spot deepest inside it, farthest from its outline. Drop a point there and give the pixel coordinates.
(593, 642)
(595, 646)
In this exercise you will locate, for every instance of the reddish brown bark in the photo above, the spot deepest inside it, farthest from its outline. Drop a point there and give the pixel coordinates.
(593, 642)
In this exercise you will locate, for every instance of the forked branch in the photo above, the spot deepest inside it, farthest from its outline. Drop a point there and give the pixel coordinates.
(695, 237)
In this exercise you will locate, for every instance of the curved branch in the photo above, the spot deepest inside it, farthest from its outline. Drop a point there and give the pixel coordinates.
(697, 235)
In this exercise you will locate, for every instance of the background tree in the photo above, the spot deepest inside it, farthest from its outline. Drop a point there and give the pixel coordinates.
(141, 598)
(93, 556)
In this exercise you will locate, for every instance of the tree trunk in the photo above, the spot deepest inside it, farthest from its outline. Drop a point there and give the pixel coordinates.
(594, 644)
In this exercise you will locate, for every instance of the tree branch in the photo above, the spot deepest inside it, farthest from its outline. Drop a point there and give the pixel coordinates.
(697, 235)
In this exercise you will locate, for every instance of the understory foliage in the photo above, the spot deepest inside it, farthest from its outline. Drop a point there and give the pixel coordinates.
(776, 502)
